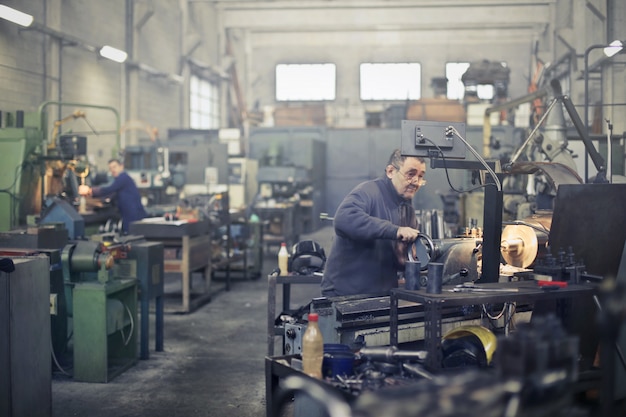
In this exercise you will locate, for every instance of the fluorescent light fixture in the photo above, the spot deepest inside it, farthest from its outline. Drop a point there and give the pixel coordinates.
(15, 16)
(613, 48)
(113, 54)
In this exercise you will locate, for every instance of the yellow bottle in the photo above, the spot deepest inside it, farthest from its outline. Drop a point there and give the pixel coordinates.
(283, 259)
(312, 348)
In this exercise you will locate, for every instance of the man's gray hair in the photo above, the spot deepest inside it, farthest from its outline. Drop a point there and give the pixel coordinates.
(397, 159)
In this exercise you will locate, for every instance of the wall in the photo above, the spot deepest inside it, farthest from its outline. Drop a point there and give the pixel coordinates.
(56, 61)
(431, 33)
(36, 67)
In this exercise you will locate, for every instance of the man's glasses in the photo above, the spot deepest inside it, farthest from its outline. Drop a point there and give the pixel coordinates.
(411, 177)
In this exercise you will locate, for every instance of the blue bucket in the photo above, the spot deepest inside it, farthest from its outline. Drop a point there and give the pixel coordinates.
(338, 360)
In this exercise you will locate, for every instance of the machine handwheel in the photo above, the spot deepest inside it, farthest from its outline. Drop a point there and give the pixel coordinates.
(423, 248)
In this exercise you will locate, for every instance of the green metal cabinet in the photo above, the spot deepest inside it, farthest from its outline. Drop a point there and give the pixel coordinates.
(105, 329)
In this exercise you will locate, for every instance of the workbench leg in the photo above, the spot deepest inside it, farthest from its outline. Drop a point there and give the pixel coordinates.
(286, 297)
(186, 273)
(271, 383)
(145, 322)
(393, 320)
(207, 279)
(271, 314)
(432, 335)
(158, 318)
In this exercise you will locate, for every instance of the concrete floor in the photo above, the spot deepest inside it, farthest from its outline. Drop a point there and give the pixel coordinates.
(212, 363)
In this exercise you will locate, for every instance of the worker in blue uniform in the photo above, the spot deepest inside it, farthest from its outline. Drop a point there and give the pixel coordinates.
(125, 191)
(374, 226)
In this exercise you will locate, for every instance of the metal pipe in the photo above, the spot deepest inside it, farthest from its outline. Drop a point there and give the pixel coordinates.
(609, 151)
(586, 106)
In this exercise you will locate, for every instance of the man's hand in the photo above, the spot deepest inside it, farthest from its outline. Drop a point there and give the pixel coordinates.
(407, 234)
(84, 190)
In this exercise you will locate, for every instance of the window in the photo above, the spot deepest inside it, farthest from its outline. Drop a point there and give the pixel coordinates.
(401, 81)
(485, 91)
(204, 106)
(454, 72)
(305, 82)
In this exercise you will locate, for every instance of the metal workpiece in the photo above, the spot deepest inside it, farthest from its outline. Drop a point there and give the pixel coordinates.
(525, 240)
(391, 353)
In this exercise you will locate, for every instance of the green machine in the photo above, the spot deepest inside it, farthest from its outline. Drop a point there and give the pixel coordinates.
(27, 156)
(103, 310)
(21, 144)
(98, 305)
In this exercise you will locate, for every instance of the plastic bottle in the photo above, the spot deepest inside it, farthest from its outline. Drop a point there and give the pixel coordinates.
(312, 348)
(283, 259)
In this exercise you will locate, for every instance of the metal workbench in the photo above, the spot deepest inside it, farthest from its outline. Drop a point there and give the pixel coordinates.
(187, 248)
(522, 292)
(286, 281)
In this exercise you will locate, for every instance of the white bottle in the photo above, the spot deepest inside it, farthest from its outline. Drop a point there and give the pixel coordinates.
(312, 348)
(283, 259)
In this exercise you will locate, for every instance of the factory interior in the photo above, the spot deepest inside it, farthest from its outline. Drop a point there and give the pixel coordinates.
(239, 127)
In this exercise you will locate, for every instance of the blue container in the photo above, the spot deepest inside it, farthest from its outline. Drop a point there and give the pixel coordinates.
(338, 360)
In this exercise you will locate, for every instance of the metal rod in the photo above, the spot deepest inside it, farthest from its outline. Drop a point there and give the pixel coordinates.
(532, 134)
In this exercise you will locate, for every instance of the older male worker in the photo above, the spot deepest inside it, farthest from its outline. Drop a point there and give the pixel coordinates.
(125, 190)
(374, 225)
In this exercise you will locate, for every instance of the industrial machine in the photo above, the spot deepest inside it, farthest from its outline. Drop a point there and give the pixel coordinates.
(282, 190)
(103, 311)
(515, 271)
(148, 166)
(93, 289)
(291, 172)
(242, 181)
(41, 167)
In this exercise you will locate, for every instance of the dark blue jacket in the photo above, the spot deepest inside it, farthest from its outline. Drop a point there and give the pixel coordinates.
(362, 258)
(127, 197)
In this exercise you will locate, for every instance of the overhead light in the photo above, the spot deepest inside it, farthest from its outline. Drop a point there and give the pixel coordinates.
(113, 54)
(15, 16)
(613, 48)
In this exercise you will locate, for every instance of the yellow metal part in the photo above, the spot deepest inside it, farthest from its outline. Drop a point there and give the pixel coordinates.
(486, 336)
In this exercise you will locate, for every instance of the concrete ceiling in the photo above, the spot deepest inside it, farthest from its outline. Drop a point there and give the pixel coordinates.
(349, 15)
(393, 21)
